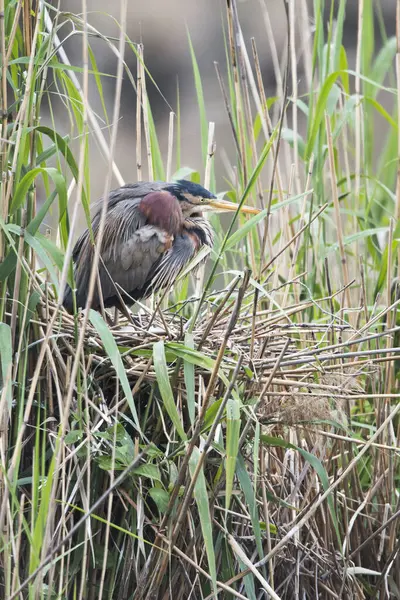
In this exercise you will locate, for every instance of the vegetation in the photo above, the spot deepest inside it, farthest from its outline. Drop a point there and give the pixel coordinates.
(242, 442)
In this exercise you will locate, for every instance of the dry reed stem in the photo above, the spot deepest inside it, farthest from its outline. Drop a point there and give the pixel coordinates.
(295, 237)
(17, 282)
(332, 487)
(264, 105)
(280, 82)
(294, 95)
(273, 48)
(246, 78)
(389, 383)
(305, 32)
(358, 120)
(21, 117)
(199, 274)
(245, 560)
(170, 145)
(139, 114)
(236, 83)
(338, 220)
(277, 381)
(145, 109)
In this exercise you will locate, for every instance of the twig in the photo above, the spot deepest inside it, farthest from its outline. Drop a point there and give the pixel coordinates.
(170, 145)
(145, 108)
(199, 275)
(139, 113)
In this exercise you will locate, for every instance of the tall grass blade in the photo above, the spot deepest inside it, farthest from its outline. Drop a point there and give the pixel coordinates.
(115, 358)
(232, 445)
(201, 497)
(6, 363)
(160, 366)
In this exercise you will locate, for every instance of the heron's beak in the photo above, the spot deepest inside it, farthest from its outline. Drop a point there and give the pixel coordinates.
(223, 205)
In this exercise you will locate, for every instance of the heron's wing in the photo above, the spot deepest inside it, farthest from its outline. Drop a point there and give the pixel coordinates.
(128, 267)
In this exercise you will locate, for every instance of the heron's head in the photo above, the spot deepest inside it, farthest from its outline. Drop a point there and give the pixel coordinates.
(195, 199)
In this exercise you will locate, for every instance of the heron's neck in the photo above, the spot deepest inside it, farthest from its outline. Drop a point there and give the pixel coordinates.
(201, 228)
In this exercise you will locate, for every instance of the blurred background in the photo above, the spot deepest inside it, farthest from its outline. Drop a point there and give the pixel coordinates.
(163, 28)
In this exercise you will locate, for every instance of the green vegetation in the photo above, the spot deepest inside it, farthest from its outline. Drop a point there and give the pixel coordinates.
(246, 441)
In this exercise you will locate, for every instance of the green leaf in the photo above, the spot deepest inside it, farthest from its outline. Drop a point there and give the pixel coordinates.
(52, 250)
(319, 112)
(6, 361)
(245, 229)
(50, 151)
(343, 66)
(161, 498)
(183, 173)
(97, 77)
(201, 497)
(290, 136)
(232, 445)
(73, 436)
(379, 108)
(251, 501)
(111, 348)
(147, 470)
(39, 250)
(158, 166)
(211, 413)
(109, 463)
(259, 166)
(33, 301)
(160, 366)
(40, 520)
(37, 220)
(26, 182)
(7, 267)
(355, 237)
(189, 354)
(384, 61)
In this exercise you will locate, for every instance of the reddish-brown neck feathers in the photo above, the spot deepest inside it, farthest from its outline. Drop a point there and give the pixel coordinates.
(162, 210)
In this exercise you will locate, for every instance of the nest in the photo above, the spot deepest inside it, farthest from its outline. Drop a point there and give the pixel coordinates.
(284, 363)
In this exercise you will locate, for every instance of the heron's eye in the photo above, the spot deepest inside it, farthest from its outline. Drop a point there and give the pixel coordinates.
(203, 200)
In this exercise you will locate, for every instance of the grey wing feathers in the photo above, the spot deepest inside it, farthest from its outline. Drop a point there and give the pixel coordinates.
(129, 192)
(132, 263)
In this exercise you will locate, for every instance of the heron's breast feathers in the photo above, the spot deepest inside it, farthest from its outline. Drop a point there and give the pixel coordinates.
(144, 240)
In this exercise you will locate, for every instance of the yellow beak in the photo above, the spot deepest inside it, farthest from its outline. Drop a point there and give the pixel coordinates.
(222, 205)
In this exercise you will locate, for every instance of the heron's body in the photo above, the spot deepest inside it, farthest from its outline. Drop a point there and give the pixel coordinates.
(152, 231)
